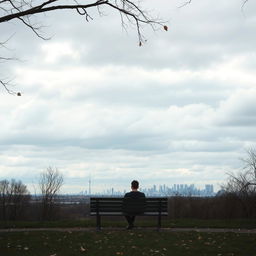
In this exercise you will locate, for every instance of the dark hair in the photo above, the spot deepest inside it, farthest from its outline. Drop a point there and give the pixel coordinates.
(135, 184)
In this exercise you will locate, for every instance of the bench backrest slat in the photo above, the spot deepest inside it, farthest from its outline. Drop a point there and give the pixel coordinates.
(113, 205)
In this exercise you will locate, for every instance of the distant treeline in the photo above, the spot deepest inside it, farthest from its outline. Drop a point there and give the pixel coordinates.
(227, 206)
(237, 199)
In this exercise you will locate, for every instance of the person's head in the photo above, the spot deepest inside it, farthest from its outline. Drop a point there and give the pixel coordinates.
(135, 184)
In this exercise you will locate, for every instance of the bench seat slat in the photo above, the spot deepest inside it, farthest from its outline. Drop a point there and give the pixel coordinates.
(122, 214)
(148, 199)
(116, 208)
(120, 208)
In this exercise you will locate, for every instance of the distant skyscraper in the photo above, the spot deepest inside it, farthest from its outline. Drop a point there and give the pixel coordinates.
(209, 189)
(90, 185)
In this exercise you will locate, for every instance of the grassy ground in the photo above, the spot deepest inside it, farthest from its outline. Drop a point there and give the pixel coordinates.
(143, 222)
(126, 243)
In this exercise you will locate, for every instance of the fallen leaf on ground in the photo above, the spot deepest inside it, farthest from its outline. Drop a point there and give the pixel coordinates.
(82, 249)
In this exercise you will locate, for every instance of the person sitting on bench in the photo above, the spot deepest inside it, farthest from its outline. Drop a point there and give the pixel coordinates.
(133, 194)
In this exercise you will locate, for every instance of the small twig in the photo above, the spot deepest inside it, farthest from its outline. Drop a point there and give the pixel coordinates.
(100, 12)
(186, 3)
(5, 84)
(7, 58)
(2, 44)
(244, 3)
(84, 12)
(33, 28)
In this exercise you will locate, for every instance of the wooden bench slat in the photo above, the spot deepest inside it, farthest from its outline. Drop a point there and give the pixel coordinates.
(113, 199)
(119, 206)
(121, 214)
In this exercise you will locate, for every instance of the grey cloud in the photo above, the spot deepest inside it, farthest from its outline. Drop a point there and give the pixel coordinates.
(123, 125)
(190, 43)
(238, 110)
(155, 94)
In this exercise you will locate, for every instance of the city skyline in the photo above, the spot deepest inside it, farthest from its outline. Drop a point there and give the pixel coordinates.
(159, 190)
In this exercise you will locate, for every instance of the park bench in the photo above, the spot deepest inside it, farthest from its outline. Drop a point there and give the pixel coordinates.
(119, 206)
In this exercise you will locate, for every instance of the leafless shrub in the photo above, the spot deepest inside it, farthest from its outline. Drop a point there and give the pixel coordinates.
(13, 198)
(243, 183)
(50, 182)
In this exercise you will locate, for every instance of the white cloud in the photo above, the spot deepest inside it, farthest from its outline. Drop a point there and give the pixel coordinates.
(53, 52)
(180, 109)
(238, 110)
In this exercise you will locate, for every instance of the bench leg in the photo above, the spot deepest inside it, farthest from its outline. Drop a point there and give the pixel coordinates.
(159, 222)
(98, 223)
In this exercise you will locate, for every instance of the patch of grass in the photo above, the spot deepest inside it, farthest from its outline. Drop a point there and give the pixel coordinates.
(205, 223)
(140, 221)
(48, 224)
(135, 243)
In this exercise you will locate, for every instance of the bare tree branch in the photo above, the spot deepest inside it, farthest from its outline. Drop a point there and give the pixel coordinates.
(33, 28)
(244, 3)
(125, 7)
(250, 164)
(189, 2)
(6, 87)
(185, 3)
(130, 12)
(244, 182)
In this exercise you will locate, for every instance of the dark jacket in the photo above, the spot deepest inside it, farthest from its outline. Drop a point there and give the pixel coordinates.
(134, 194)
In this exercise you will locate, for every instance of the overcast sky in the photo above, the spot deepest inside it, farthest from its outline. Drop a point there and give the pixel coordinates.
(179, 109)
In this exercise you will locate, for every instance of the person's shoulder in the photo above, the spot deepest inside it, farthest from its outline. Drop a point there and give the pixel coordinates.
(139, 194)
(128, 194)
(142, 194)
(134, 194)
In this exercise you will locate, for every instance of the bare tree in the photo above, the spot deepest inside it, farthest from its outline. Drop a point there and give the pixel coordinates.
(50, 182)
(4, 184)
(131, 12)
(243, 183)
(13, 197)
(250, 168)
(19, 198)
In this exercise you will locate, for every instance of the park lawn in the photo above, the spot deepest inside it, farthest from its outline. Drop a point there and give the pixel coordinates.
(140, 221)
(126, 243)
